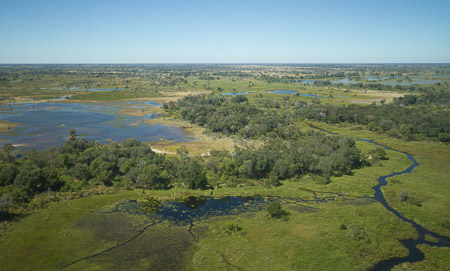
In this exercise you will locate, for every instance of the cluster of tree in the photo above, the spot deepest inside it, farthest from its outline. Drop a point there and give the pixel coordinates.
(234, 116)
(81, 163)
(410, 123)
(314, 153)
(287, 152)
(428, 97)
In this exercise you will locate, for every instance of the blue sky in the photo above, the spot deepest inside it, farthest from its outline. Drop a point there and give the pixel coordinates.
(327, 31)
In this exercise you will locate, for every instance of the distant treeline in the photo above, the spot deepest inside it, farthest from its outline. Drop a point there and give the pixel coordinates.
(416, 123)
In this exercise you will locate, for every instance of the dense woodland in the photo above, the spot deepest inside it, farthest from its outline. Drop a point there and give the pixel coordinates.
(417, 123)
(81, 163)
(406, 117)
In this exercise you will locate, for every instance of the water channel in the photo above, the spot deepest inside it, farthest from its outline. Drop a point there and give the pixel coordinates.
(415, 255)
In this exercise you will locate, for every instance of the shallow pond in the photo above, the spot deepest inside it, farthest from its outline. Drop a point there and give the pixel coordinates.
(293, 92)
(282, 91)
(234, 94)
(344, 81)
(104, 89)
(308, 81)
(45, 125)
(190, 209)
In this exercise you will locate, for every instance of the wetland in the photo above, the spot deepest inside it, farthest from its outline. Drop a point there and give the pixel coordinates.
(224, 167)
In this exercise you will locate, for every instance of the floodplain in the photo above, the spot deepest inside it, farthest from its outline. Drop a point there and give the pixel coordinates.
(338, 223)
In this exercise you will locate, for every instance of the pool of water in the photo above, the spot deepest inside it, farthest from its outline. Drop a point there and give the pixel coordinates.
(344, 81)
(151, 103)
(105, 89)
(311, 95)
(308, 81)
(234, 94)
(45, 125)
(436, 75)
(293, 92)
(282, 91)
(192, 208)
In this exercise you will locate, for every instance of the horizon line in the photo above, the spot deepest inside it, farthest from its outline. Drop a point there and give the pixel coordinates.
(219, 63)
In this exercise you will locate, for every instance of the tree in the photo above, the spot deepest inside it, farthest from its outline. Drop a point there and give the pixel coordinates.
(32, 178)
(193, 174)
(183, 152)
(5, 202)
(9, 153)
(80, 171)
(8, 173)
(378, 153)
(153, 178)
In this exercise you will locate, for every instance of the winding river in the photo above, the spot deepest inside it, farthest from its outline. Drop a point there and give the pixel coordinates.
(415, 255)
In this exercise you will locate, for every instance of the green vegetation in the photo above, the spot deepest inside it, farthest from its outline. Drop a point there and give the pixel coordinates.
(276, 211)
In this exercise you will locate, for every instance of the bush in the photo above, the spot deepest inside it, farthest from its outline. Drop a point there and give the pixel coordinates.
(276, 211)
(405, 196)
(232, 227)
(323, 180)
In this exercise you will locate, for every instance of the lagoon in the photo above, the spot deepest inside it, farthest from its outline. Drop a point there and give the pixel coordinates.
(45, 125)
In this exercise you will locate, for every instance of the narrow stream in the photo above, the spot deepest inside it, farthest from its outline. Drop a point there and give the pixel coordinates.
(415, 255)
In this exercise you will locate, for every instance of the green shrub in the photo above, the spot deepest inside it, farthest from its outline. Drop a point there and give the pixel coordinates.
(276, 211)
(405, 196)
(232, 227)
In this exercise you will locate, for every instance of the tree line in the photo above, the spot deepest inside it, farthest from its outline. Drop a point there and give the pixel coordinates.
(409, 123)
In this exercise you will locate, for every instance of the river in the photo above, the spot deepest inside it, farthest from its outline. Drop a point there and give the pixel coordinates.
(415, 255)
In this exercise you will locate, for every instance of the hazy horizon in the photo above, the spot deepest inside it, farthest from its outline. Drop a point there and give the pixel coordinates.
(236, 63)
